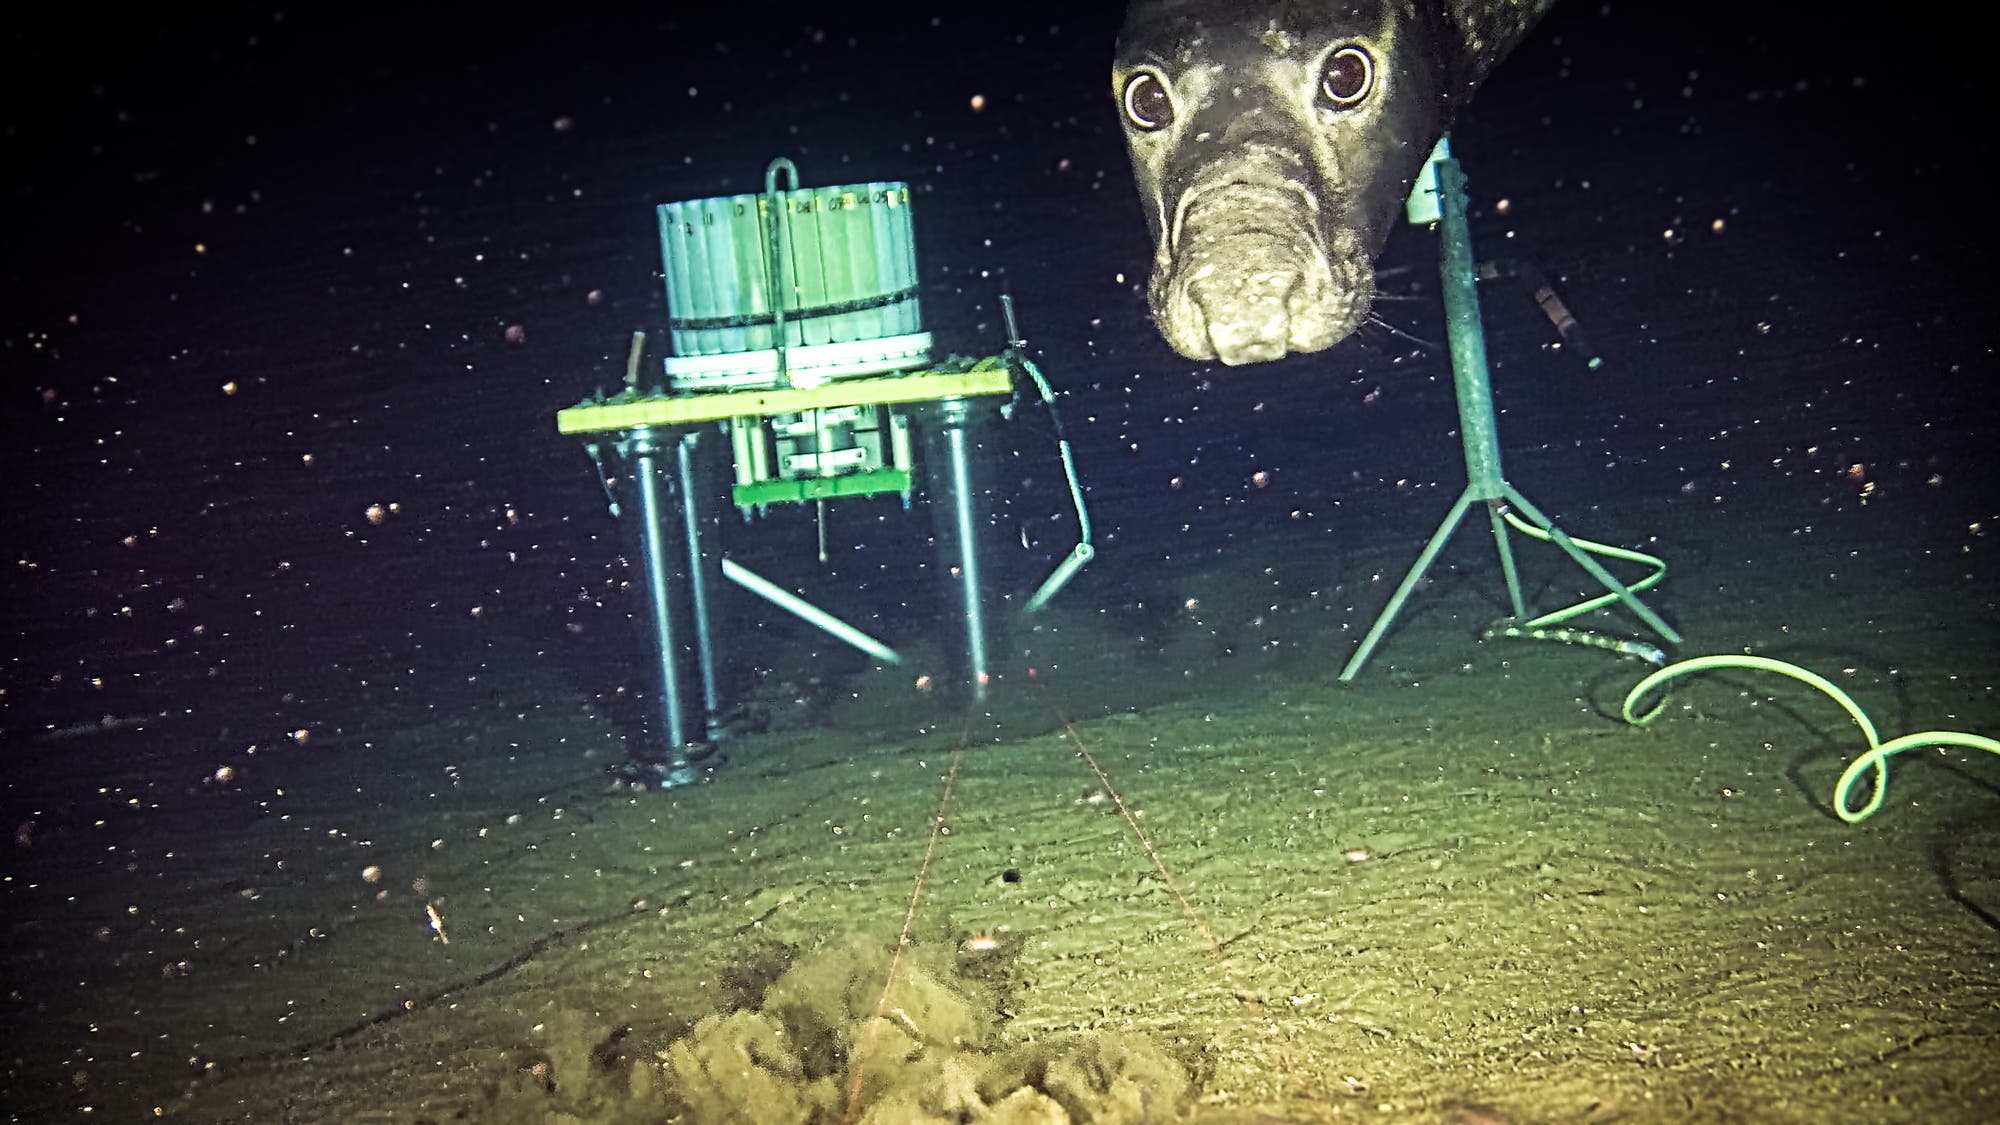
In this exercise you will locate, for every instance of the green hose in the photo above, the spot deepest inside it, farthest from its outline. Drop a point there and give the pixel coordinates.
(1544, 628)
(1605, 550)
(1875, 761)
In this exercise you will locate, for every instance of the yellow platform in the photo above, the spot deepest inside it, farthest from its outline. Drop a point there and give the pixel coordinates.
(987, 377)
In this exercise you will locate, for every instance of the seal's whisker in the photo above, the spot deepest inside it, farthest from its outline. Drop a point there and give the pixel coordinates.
(1374, 320)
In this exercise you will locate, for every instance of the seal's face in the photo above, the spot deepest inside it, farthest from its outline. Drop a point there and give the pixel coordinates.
(1273, 144)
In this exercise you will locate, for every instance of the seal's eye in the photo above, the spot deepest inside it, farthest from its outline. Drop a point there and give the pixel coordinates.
(1147, 105)
(1345, 80)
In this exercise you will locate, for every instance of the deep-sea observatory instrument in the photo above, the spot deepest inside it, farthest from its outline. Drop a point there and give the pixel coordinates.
(801, 377)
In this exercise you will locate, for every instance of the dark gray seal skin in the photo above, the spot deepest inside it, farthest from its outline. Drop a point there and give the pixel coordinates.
(1274, 142)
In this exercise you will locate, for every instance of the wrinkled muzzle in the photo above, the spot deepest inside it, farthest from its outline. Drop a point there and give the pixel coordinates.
(1248, 271)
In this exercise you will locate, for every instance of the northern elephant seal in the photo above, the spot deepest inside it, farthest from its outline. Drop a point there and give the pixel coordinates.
(1274, 141)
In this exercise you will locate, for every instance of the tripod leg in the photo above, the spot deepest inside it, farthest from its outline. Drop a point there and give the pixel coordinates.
(1506, 548)
(1402, 593)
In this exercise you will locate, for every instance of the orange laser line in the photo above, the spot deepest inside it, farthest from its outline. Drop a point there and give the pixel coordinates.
(1194, 915)
(909, 920)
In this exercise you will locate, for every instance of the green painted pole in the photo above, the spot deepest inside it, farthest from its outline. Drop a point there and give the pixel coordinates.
(1484, 480)
(1476, 426)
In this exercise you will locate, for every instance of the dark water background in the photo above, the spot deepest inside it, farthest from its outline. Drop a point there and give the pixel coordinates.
(263, 266)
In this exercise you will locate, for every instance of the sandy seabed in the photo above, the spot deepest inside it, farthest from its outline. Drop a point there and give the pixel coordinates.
(1457, 890)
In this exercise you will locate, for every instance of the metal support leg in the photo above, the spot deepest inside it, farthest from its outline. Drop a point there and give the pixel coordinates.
(698, 567)
(1506, 548)
(645, 456)
(1409, 583)
(964, 531)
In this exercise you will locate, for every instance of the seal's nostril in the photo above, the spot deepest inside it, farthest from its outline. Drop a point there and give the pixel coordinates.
(1247, 319)
(1238, 345)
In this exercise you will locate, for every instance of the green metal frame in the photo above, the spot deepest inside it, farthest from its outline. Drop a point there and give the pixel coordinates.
(1484, 479)
(807, 489)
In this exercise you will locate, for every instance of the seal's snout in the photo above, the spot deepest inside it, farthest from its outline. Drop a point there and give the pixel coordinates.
(1274, 142)
(1247, 276)
(1249, 318)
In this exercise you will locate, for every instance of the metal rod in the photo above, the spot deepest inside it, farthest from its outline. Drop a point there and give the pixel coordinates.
(1496, 517)
(1052, 585)
(1014, 338)
(977, 673)
(774, 214)
(1409, 583)
(632, 359)
(786, 600)
(1467, 339)
(653, 555)
(704, 635)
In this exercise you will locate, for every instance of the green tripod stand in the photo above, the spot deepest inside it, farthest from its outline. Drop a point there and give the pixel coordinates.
(1483, 479)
